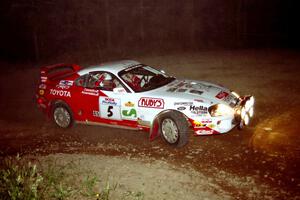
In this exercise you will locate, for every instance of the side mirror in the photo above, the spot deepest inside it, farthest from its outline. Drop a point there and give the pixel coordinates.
(119, 90)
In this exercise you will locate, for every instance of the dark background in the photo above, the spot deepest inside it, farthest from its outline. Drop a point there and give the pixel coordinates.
(37, 30)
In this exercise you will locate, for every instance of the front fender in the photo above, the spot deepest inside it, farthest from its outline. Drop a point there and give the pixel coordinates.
(154, 130)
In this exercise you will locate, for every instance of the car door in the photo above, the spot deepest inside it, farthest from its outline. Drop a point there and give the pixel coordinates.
(110, 101)
(86, 98)
(118, 104)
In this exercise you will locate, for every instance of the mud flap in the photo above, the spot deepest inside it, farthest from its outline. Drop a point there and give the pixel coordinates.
(154, 131)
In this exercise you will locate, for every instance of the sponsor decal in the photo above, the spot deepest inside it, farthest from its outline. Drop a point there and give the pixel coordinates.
(188, 86)
(119, 90)
(198, 124)
(96, 113)
(196, 92)
(230, 98)
(66, 82)
(181, 108)
(203, 124)
(42, 86)
(199, 100)
(171, 89)
(110, 108)
(204, 132)
(172, 84)
(198, 109)
(61, 93)
(151, 102)
(44, 78)
(181, 90)
(64, 87)
(41, 92)
(211, 126)
(201, 86)
(129, 113)
(129, 104)
(109, 101)
(181, 84)
(206, 121)
(183, 103)
(222, 95)
(90, 92)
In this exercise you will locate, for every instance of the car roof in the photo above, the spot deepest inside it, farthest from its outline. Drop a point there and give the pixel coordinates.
(113, 67)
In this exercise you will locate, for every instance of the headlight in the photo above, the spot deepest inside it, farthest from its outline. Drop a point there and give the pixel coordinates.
(248, 105)
(246, 119)
(220, 110)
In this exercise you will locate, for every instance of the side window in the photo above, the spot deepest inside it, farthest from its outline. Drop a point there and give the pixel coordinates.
(102, 81)
(81, 81)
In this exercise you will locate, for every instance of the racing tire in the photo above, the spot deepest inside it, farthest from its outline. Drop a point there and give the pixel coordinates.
(174, 128)
(62, 115)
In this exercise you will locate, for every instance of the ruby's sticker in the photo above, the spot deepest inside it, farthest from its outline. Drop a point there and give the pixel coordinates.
(151, 102)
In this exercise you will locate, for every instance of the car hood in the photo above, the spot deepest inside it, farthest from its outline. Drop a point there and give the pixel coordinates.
(197, 90)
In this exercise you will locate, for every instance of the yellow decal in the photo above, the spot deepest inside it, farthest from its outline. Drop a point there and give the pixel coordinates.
(129, 104)
(41, 92)
(211, 125)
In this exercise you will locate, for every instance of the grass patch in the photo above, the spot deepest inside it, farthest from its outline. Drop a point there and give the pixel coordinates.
(31, 180)
(19, 179)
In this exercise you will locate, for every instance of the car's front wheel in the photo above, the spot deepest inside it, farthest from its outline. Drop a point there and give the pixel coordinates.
(174, 128)
(62, 116)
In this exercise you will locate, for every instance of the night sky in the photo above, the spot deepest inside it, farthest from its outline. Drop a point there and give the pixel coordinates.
(38, 30)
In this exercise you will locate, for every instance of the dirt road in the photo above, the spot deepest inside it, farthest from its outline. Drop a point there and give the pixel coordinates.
(259, 162)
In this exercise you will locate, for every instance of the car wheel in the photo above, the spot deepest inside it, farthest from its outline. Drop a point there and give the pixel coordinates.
(174, 128)
(62, 116)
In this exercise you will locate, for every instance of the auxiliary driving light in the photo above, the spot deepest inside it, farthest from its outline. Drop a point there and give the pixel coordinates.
(251, 112)
(251, 100)
(246, 119)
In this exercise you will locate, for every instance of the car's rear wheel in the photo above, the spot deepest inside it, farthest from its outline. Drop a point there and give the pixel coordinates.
(62, 116)
(174, 128)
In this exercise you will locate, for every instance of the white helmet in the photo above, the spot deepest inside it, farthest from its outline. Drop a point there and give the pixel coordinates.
(107, 77)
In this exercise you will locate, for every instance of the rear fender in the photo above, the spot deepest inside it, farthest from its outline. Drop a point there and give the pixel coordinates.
(53, 103)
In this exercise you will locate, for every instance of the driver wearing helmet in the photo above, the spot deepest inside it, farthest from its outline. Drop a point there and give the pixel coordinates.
(105, 82)
(133, 81)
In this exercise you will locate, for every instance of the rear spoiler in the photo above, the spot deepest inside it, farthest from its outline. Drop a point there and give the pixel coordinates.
(57, 70)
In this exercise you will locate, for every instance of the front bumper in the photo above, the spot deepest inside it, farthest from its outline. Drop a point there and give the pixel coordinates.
(241, 116)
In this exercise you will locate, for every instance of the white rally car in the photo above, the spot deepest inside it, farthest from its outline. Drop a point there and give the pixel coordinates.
(129, 94)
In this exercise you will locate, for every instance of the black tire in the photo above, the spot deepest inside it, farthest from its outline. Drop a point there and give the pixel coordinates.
(174, 128)
(62, 115)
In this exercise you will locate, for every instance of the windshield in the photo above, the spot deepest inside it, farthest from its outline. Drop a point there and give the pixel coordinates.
(141, 78)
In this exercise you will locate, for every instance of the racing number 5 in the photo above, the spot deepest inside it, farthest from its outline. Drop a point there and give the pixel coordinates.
(109, 112)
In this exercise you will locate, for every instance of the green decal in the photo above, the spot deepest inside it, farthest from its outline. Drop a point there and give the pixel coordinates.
(130, 113)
